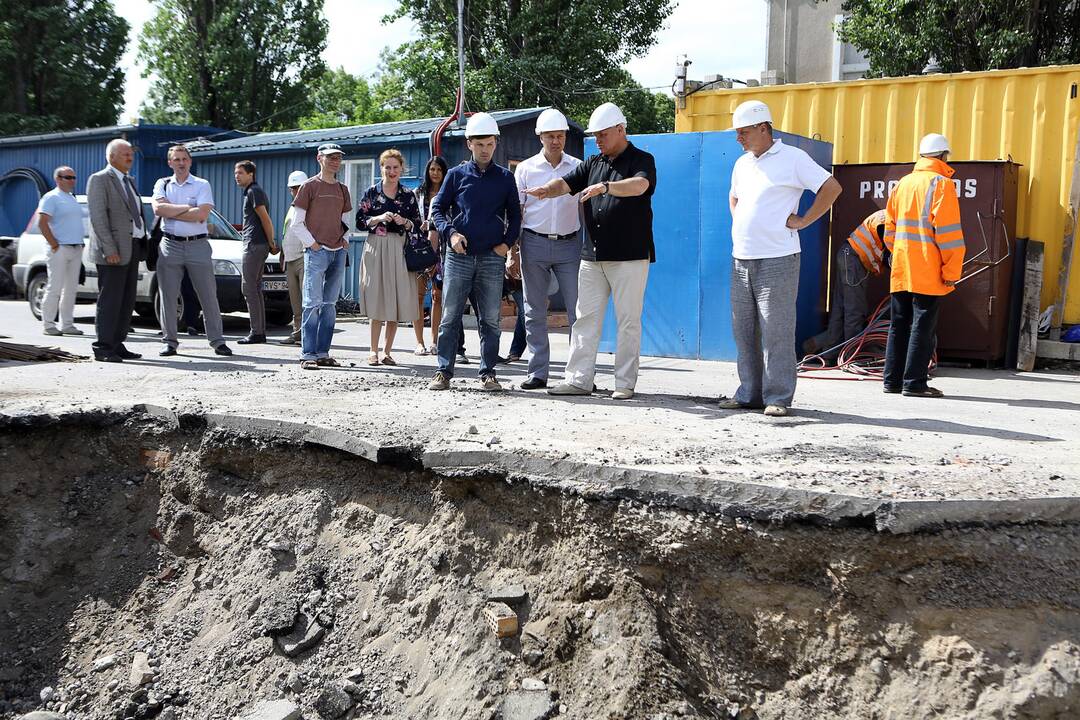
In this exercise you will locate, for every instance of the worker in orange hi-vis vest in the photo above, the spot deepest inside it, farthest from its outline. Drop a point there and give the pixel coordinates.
(860, 257)
(922, 229)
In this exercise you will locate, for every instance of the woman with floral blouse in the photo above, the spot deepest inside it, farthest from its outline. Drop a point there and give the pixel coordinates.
(389, 212)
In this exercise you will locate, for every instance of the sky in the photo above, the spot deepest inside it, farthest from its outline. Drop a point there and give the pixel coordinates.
(719, 37)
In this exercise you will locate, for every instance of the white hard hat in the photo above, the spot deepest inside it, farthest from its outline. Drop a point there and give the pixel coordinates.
(933, 144)
(481, 124)
(750, 113)
(551, 120)
(605, 116)
(297, 178)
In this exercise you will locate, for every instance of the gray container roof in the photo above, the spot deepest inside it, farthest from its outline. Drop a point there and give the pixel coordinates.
(381, 133)
(110, 131)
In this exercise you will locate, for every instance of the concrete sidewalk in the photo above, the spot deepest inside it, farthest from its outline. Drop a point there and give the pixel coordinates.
(999, 437)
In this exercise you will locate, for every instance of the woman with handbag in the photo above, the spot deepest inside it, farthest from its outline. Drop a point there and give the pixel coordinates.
(388, 211)
(434, 174)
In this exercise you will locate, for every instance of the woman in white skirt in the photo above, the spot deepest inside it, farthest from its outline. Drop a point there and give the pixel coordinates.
(388, 211)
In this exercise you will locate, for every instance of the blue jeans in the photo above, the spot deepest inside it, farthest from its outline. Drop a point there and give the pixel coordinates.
(323, 273)
(912, 339)
(518, 344)
(464, 274)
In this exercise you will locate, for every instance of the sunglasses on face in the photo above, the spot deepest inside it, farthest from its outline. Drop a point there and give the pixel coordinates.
(66, 177)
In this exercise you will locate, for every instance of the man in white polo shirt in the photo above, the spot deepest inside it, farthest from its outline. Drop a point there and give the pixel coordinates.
(184, 201)
(60, 218)
(766, 185)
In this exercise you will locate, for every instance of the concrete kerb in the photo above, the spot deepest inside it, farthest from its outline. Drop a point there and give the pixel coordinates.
(730, 496)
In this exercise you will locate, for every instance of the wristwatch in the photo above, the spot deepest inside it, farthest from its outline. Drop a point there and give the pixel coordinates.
(607, 189)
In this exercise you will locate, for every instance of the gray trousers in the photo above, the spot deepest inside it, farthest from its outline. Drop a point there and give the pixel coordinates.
(763, 296)
(251, 275)
(848, 309)
(540, 256)
(294, 274)
(194, 255)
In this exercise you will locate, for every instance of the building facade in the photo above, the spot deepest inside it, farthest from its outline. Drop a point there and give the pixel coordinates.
(803, 45)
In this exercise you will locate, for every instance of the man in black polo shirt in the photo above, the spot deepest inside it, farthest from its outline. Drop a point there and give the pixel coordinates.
(616, 187)
(258, 245)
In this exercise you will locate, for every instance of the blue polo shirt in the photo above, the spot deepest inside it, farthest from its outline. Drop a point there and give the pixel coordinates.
(65, 216)
(481, 205)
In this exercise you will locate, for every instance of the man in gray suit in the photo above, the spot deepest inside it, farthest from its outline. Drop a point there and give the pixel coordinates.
(116, 233)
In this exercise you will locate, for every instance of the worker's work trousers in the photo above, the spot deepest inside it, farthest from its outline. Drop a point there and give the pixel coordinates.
(255, 255)
(763, 296)
(623, 281)
(912, 338)
(62, 286)
(294, 275)
(847, 310)
(174, 257)
(541, 256)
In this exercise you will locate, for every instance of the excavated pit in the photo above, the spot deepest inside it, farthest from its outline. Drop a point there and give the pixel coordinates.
(150, 569)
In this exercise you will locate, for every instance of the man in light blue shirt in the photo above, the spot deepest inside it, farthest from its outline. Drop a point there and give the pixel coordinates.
(60, 218)
(184, 201)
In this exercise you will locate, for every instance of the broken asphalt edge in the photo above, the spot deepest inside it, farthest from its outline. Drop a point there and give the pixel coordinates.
(715, 494)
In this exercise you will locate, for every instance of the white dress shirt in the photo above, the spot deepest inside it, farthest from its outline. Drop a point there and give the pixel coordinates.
(550, 216)
(193, 192)
(136, 231)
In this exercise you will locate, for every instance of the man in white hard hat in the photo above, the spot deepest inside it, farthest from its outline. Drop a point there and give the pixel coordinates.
(922, 229)
(767, 183)
(616, 187)
(478, 215)
(550, 240)
(292, 259)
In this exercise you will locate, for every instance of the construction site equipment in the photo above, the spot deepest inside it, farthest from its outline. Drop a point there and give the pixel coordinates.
(974, 319)
(1028, 115)
(481, 124)
(551, 120)
(33, 353)
(933, 144)
(750, 113)
(605, 116)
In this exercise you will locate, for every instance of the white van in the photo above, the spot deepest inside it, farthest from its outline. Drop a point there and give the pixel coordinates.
(226, 246)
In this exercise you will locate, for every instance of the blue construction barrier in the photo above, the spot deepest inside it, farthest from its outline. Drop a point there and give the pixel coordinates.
(687, 301)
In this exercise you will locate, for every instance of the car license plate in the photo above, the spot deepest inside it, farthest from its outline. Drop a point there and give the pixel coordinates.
(275, 284)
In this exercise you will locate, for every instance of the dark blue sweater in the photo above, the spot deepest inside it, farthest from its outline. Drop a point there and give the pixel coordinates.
(482, 206)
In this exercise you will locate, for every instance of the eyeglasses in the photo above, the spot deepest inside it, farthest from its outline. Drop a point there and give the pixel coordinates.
(66, 177)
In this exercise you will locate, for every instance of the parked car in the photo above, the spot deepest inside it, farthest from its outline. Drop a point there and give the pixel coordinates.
(227, 251)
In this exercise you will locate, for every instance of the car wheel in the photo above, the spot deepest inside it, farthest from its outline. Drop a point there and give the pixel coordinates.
(35, 292)
(279, 317)
(157, 307)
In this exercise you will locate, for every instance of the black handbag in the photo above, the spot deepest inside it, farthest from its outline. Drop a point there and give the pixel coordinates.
(419, 255)
(153, 240)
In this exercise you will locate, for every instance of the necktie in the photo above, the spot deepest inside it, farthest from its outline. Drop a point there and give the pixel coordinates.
(134, 204)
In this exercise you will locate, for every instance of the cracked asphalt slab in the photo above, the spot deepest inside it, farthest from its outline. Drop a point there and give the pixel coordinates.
(1001, 447)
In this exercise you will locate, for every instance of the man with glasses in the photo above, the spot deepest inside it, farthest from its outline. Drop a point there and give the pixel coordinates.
(60, 219)
(184, 202)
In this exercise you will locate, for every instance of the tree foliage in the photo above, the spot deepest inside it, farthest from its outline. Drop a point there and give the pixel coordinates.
(523, 53)
(903, 37)
(341, 98)
(233, 63)
(61, 65)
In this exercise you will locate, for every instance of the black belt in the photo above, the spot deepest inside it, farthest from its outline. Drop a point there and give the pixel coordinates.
(553, 236)
(185, 238)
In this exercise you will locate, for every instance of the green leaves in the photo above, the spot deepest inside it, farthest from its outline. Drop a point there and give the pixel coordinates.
(245, 64)
(904, 37)
(60, 60)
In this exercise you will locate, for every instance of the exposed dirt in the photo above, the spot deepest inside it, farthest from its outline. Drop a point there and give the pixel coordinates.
(218, 560)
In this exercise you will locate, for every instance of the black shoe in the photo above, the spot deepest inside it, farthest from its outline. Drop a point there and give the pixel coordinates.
(167, 351)
(462, 359)
(193, 331)
(891, 390)
(534, 383)
(252, 339)
(127, 354)
(109, 358)
(223, 350)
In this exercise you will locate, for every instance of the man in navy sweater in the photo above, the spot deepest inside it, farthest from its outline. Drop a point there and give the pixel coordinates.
(478, 215)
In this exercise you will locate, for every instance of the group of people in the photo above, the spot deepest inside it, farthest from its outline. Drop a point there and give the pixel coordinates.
(487, 224)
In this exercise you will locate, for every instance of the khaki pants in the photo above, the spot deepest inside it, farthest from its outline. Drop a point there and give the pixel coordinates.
(294, 273)
(63, 266)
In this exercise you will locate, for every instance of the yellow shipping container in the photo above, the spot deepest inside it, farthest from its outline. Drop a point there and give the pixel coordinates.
(1030, 115)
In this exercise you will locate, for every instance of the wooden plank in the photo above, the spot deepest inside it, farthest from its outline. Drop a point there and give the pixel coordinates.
(1067, 247)
(1027, 345)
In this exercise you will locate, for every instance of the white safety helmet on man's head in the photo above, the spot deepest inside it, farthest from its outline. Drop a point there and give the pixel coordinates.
(297, 178)
(750, 113)
(551, 120)
(606, 116)
(934, 144)
(481, 125)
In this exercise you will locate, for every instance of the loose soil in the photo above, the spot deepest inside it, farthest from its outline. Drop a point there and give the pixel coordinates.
(212, 551)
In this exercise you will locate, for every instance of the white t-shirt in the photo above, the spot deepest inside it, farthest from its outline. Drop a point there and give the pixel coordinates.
(193, 192)
(768, 190)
